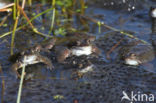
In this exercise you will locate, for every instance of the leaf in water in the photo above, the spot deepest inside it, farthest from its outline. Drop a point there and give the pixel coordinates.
(60, 31)
(58, 97)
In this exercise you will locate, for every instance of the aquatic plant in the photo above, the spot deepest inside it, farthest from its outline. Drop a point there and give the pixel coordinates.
(21, 85)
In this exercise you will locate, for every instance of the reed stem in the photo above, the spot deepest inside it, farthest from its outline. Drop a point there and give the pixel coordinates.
(15, 26)
(53, 17)
(14, 10)
(33, 18)
(13, 35)
(21, 84)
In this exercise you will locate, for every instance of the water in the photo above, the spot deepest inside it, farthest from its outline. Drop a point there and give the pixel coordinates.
(102, 85)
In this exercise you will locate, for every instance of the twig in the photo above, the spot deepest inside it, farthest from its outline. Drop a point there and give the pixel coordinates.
(111, 50)
(9, 5)
(32, 26)
(7, 9)
(23, 4)
(25, 15)
(4, 19)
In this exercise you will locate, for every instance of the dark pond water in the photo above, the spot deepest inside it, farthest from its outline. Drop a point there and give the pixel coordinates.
(106, 81)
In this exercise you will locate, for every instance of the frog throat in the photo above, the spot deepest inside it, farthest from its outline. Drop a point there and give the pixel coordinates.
(133, 62)
(78, 51)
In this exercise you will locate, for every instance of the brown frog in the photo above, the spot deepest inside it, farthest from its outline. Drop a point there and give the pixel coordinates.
(75, 45)
(32, 56)
(137, 52)
(74, 39)
(29, 59)
(46, 45)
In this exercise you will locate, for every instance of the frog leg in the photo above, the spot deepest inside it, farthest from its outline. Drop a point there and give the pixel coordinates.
(46, 61)
(15, 68)
(96, 50)
(62, 54)
(49, 44)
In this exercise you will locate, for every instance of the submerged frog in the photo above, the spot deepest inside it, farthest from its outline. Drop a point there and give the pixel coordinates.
(32, 56)
(136, 53)
(46, 45)
(77, 45)
(29, 59)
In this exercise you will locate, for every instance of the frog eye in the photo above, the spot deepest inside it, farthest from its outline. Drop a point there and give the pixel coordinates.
(88, 41)
(37, 48)
(78, 42)
(132, 54)
(22, 53)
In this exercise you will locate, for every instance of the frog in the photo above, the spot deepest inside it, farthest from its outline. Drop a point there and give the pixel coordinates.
(44, 46)
(72, 39)
(137, 53)
(77, 45)
(29, 59)
(33, 55)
